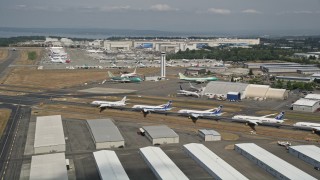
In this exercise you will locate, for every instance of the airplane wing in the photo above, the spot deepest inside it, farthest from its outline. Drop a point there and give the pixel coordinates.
(105, 105)
(316, 129)
(200, 81)
(252, 122)
(269, 115)
(194, 116)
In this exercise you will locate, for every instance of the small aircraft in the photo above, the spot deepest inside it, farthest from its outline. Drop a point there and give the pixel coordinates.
(197, 80)
(189, 93)
(146, 109)
(195, 114)
(124, 79)
(314, 127)
(133, 74)
(107, 104)
(253, 121)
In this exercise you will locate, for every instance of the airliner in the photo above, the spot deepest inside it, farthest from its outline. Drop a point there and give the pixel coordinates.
(314, 127)
(124, 79)
(198, 80)
(256, 120)
(133, 74)
(146, 109)
(188, 93)
(106, 104)
(195, 114)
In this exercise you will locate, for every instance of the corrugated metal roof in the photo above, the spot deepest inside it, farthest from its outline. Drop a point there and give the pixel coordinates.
(305, 102)
(49, 166)
(209, 132)
(109, 166)
(213, 162)
(274, 162)
(49, 131)
(162, 165)
(220, 87)
(103, 130)
(160, 131)
(310, 150)
(313, 96)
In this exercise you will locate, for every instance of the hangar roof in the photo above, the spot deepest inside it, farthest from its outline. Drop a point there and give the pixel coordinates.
(161, 131)
(103, 130)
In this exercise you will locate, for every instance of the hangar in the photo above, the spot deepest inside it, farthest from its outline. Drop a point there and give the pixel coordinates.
(49, 135)
(109, 166)
(48, 166)
(161, 134)
(222, 88)
(270, 163)
(307, 153)
(105, 134)
(209, 135)
(265, 92)
(306, 105)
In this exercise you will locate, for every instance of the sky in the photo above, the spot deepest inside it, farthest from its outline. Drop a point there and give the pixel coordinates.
(166, 15)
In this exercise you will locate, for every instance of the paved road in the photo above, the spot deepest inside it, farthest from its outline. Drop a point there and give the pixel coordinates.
(13, 55)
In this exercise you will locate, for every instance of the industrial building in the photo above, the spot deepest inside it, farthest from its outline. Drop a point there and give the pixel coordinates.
(160, 164)
(161, 134)
(262, 92)
(270, 163)
(307, 153)
(48, 167)
(195, 71)
(109, 166)
(105, 134)
(209, 135)
(49, 135)
(315, 76)
(258, 65)
(212, 163)
(293, 78)
(288, 68)
(117, 45)
(306, 105)
(313, 97)
(308, 71)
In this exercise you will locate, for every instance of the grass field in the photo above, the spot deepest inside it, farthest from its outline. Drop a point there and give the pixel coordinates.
(24, 60)
(4, 117)
(3, 54)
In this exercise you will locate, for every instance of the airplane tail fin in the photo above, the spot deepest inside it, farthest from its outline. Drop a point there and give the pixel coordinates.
(280, 116)
(218, 110)
(191, 86)
(135, 71)
(181, 76)
(168, 105)
(181, 87)
(110, 74)
(123, 100)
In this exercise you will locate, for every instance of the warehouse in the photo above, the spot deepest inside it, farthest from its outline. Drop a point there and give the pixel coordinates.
(308, 71)
(258, 65)
(221, 88)
(195, 71)
(289, 69)
(160, 164)
(271, 163)
(109, 166)
(294, 78)
(161, 134)
(307, 153)
(49, 135)
(212, 163)
(277, 94)
(306, 105)
(265, 92)
(105, 134)
(313, 97)
(49, 166)
(209, 135)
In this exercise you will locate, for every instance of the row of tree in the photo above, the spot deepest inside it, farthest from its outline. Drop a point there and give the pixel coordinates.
(291, 85)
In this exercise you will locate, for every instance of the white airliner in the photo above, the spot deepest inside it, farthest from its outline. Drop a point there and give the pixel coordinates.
(146, 109)
(256, 120)
(105, 104)
(188, 93)
(314, 127)
(195, 114)
(133, 74)
(58, 59)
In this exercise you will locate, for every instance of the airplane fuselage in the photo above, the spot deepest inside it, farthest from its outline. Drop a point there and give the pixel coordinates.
(307, 125)
(108, 103)
(257, 120)
(150, 108)
(200, 113)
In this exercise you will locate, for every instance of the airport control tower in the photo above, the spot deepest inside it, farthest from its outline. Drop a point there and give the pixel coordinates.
(163, 64)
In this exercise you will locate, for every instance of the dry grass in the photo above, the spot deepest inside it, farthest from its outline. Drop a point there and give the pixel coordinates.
(3, 54)
(4, 117)
(23, 59)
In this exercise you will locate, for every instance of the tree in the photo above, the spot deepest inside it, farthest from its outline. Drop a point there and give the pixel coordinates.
(289, 85)
(232, 79)
(250, 72)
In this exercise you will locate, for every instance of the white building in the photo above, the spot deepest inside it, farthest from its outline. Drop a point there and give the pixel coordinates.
(209, 135)
(212, 163)
(48, 167)
(117, 45)
(161, 134)
(160, 164)
(277, 167)
(109, 166)
(306, 105)
(105, 134)
(49, 135)
(308, 153)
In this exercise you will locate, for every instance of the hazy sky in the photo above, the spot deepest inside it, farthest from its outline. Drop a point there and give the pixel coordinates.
(169, 15)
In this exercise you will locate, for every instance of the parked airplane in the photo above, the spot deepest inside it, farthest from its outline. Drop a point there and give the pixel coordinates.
(252, 121)
(123, 79)
(195, 114)
(198, 80)
(146, 109)
(57, 59)
(133, 74)
(106, 104)
(314, 127)
(189, 93)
